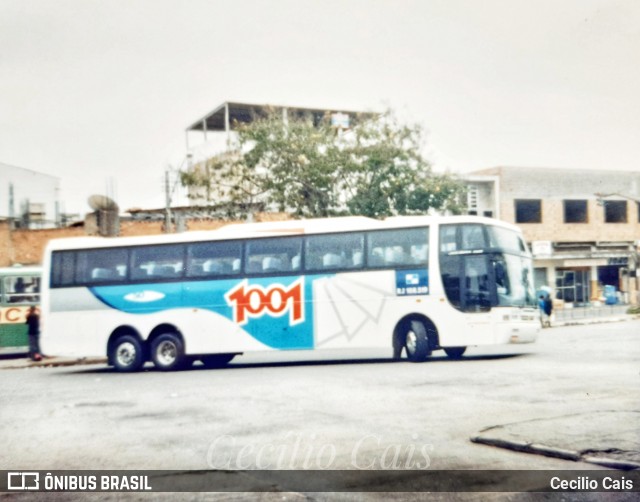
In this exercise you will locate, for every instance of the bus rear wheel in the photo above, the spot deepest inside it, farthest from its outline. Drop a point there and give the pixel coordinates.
(167, 352)
(217, 360)
(126, 354)
(454, 352)
(416, 341)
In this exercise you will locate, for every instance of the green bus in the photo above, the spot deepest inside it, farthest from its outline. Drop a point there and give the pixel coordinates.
(19, 289)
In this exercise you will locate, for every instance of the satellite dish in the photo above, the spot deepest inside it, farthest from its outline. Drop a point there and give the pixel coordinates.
(102, 203)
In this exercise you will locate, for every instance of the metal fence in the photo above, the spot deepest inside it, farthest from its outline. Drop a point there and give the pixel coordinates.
(590, 312)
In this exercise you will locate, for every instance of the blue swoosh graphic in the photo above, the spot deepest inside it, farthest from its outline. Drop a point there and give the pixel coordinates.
(275, 332)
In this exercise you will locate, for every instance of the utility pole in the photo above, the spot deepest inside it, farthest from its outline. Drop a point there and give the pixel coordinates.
(169, 190)
(167, 209)
(12, 210)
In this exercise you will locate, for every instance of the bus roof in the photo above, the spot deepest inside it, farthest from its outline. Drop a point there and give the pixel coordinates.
(20, 270)
(273, 229)
(310, 226)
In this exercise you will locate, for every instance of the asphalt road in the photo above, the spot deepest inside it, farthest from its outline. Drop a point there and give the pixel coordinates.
(317, 411)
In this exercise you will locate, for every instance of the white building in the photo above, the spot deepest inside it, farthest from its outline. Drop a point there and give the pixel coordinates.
(28, 198)
(583, 226)
(213, 136)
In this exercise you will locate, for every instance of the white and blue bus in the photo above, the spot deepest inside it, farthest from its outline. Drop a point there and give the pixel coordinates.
(412, 284)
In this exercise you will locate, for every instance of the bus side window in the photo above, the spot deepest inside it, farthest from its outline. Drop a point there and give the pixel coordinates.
(334, 252)
(16, 290)
(160, 262)
(272, 255)
(101, 265)
(63, 268)
(210, 259)
(398, 248)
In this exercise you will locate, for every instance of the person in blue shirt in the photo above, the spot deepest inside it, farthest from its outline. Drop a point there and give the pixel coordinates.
(546, 308)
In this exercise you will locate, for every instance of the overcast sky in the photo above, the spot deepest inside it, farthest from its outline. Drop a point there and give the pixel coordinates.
(99, 92)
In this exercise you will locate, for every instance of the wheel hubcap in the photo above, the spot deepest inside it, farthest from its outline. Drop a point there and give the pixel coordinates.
(166, 353)
(411, 342)
(126, 354)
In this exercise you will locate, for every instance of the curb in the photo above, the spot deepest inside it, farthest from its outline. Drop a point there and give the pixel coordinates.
(550, 451)
(53, 363)
(578, 322)
(595, 320)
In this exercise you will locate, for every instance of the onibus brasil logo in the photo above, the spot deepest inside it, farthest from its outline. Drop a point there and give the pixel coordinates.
(275, 300)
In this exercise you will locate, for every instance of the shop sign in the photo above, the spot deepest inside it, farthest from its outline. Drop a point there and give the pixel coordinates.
(541, 248)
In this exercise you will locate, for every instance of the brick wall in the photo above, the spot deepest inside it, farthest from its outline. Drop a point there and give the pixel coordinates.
(26, 247)
(553, 227)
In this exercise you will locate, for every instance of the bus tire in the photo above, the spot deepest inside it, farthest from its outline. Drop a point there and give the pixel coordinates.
(454, 352)
(416, 341)
(217, 360)
(127, 354)
(167, 352)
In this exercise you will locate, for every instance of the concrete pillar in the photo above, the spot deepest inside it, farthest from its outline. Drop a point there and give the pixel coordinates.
(594, 284)
(227, 124)
(551, 277)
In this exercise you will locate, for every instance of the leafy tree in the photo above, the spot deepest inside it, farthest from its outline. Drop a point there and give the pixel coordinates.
(226, 182)
(314, 170)
(298, 164)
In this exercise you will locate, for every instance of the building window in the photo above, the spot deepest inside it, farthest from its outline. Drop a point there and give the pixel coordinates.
(575, 211)
(472, 199)
(528, 211)
(615, 211)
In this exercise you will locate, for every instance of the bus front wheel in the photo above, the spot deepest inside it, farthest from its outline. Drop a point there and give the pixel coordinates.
(126, 354)
(167, 352)
(416, 341)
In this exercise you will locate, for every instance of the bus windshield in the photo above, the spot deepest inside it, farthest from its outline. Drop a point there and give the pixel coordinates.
(485, 266)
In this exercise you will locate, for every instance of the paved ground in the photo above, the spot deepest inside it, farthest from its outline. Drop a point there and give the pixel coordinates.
(577, 390)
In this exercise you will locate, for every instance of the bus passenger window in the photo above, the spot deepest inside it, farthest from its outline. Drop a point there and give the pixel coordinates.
(334, 252)
(159, 262)
(398, 248)
(266, 256)
(213, 259)
(101, 265)
(22, 289)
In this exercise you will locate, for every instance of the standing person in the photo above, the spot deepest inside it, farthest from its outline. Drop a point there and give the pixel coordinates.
(548, 309)
(543, 310)
(33, 322)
